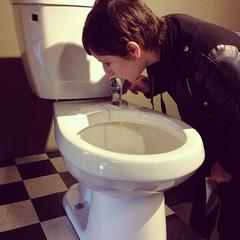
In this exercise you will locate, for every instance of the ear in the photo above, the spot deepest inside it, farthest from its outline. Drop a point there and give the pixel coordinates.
(134, 49)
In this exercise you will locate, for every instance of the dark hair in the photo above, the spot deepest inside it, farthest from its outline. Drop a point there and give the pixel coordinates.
(111, 24)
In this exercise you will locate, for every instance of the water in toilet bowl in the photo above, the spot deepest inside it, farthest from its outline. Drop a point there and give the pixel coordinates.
(129, 138)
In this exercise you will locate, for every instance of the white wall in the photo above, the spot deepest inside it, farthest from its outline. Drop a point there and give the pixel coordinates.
(8, 41)
(222, 12)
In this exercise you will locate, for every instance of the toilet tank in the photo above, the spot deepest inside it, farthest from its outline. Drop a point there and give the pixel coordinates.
(49, 34)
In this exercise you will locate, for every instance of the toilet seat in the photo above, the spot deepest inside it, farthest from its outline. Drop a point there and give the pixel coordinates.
(73, 117)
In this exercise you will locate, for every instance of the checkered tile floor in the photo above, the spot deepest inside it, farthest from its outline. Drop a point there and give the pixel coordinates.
(31, 192)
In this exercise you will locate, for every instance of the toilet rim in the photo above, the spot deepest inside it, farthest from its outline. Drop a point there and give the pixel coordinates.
(94, 158)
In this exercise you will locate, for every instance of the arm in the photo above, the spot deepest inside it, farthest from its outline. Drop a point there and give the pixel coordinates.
(222, 85)
(141, 84)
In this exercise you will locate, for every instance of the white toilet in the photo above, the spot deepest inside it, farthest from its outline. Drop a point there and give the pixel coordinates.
(123, 156)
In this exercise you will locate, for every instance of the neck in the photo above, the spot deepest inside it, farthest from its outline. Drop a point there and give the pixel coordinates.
(152, 56)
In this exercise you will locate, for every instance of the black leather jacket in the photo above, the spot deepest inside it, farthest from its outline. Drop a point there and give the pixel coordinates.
(200, 69)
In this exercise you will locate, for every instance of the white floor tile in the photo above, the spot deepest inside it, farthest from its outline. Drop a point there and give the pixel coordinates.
(59, 228)
(17, 215)
(42, 186)
(168, 211)
(31, 158)
(9, 175)
(59, 164)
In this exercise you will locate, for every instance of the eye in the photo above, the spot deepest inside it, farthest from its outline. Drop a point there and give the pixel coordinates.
(107, 64)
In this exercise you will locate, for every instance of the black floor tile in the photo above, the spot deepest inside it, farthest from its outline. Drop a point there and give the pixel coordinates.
(32, 232)
(68, 179)
(13, 192)
(177, 229)
(54, 154)
(49, 206)
(36, 169)
(181, 193)
(7, 162)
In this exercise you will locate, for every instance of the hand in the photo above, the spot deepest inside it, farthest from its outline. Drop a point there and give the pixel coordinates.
(141, 84)
(219, 175)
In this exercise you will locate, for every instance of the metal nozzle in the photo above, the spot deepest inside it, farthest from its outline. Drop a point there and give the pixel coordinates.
(116, 90)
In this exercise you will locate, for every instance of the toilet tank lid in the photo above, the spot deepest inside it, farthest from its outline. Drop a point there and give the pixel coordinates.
(85, 3)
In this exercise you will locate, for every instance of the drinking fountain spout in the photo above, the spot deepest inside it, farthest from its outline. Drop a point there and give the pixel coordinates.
(116, 90)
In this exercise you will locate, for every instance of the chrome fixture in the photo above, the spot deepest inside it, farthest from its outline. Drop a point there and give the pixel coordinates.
(116, 90)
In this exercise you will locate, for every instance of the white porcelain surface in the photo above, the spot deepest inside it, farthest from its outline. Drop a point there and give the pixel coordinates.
(50, 40)
(102, 217)
(143, 165)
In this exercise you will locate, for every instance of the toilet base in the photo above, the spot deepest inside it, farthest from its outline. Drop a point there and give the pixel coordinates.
(98, 216)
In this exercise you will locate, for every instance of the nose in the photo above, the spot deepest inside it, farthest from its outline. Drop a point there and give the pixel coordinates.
(108, 70)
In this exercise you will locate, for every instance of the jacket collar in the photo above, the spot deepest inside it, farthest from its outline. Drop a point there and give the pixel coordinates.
(160, 71)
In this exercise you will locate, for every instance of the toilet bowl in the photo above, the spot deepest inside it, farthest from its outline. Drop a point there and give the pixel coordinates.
(125, 156)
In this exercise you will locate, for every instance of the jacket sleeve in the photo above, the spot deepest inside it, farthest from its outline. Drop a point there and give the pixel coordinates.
(222, 85)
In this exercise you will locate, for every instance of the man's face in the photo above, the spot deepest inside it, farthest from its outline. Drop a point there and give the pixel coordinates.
(129, 68)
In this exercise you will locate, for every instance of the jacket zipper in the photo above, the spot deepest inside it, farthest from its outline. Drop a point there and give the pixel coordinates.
(188, 86)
